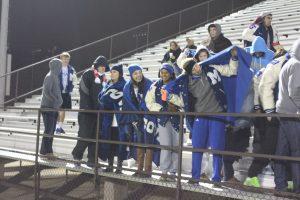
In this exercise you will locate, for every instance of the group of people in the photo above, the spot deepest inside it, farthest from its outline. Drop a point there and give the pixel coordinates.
(217, 78)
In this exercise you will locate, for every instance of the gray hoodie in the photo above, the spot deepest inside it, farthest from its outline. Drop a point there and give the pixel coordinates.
(289, 83)
(51, 96)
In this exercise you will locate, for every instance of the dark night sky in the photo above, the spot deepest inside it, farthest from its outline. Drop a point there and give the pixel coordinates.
(41, 24)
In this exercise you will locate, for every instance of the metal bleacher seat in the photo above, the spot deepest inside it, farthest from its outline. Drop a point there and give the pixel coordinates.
(285, 17)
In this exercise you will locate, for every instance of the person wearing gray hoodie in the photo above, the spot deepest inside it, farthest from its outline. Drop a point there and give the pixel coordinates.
(288, 143)
(218, 42)
(51, 99)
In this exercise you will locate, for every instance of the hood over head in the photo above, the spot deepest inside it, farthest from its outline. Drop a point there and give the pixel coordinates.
(55, 66)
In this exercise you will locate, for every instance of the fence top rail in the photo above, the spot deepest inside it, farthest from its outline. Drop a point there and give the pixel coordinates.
(195, 114)
(108, 37)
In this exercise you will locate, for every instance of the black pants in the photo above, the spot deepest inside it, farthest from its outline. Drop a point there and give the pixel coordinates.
(49, 118)
(87, 129)
(114, 148)
(236, 141)
(265, 140)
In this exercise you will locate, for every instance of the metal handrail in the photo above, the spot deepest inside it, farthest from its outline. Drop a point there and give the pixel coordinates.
(179, 149)
(120, 33)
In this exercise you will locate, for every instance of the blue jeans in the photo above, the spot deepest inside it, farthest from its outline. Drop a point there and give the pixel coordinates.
(288, 144)
(50, 119)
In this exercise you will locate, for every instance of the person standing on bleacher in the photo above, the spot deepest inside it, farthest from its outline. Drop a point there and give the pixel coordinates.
(289, 136)
(168, 125)
(91, 84)
(67, 78)
(262, 27)
(51, 99)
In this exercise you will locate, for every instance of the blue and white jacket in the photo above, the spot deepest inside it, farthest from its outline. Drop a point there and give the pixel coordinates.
(71, 79)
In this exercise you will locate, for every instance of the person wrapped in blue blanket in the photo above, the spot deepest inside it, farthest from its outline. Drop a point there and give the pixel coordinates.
(204, 89)
(110, 98)
(141, 128)
(168, 126)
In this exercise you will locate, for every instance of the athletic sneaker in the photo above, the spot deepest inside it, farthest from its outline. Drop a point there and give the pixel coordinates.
(253, 182)
(59, 131)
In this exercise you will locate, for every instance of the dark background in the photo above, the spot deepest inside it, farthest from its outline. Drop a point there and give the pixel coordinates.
(39, 28)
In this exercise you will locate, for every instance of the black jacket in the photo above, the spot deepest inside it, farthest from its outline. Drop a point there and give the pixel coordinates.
(89, 91)
(219, 44)
(176, 53)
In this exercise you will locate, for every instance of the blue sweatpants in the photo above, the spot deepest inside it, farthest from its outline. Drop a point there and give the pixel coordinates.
(208, 132)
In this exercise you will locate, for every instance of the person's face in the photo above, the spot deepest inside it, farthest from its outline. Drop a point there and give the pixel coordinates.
(213, 32)
(196, 69)
(114, 75)
(258, 54)
(202, 56)
(268, 20)
(137, 76)
(65, 60)
(173, 46)
(101, 69)
(165, 76)
(190, 42)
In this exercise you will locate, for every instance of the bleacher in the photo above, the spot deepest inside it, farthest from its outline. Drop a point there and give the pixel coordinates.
(286, 15)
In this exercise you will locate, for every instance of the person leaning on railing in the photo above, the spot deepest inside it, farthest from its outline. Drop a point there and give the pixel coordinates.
(51, 99)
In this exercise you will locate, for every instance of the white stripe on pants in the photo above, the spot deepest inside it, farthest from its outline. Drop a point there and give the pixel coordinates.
(169, 137)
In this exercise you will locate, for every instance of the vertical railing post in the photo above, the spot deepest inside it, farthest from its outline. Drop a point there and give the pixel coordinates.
(179, 150)
(148, 32)
(96, 177)
(207, 17)
(110, 48)
(179, 23)
(17, 86)
(36, 166)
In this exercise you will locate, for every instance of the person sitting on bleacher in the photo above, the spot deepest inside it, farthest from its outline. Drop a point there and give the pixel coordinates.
(218, 42)
(190, 44)
(172, 54)
(262, 27)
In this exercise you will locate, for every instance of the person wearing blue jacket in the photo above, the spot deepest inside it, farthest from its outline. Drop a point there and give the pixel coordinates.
(168, 125)
(110, 98)
(134, 94)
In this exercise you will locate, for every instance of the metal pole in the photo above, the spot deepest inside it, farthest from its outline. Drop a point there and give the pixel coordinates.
(3, 46)
(17, 85)
(179, 23)
(207, 18)
(179, 150)
(148, 32)
(110, 49)
(36, 167)
(96, 177)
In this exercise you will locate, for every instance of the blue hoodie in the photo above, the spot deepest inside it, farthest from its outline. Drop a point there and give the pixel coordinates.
(259, 45)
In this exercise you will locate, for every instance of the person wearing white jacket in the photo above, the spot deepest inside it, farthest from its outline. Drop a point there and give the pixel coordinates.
(262, 26)
(266, 82)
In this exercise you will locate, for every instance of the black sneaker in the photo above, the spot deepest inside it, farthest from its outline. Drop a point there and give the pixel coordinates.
(118, 171)
(90, 164)
(193, 181)
(108, 169)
